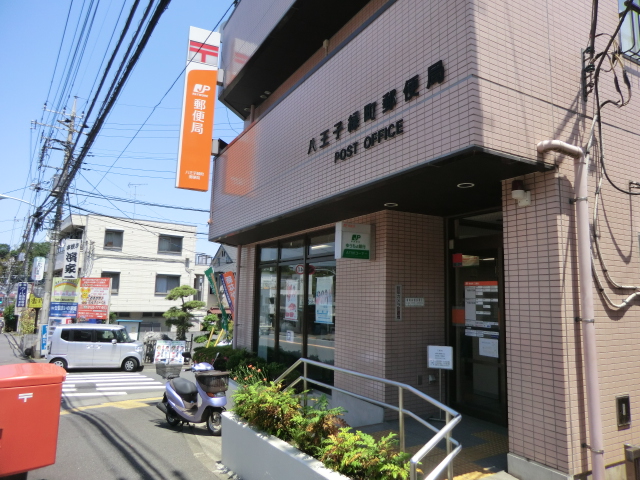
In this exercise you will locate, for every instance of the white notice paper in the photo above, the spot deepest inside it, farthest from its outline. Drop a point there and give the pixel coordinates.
(488, 347)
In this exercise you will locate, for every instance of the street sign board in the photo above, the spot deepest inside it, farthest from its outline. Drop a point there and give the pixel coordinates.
(23, 288)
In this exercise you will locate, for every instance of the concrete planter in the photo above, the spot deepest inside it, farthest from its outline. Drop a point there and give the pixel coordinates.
(254, 455)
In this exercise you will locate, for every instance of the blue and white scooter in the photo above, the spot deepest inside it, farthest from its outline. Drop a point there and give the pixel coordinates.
(204, 401)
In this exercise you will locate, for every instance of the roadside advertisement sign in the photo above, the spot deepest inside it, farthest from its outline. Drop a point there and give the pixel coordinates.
(324, 300)
(71, 258)
(63, 309)
(209, 274)
(37, 270)
(354, 241)
(169, 351)
(196, 130)
(64, 290)
(229, 284)
(35, 302)
(43, 338)
(94, 297)
(21, 300)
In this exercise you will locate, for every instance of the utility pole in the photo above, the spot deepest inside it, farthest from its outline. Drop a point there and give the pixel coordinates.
(55, 230)
(135, 191)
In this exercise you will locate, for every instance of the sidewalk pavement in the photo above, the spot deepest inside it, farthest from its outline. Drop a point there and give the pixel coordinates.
(10, 352)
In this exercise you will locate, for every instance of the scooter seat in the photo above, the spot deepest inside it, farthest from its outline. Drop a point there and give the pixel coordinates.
(184, 388)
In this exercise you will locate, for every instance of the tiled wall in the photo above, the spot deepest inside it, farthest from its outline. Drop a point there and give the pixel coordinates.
(280, 175)
(529, 87)
(409, 252)
(539, 281)
(513, 79)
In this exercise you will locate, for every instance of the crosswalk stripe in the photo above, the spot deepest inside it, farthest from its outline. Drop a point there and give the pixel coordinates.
(121, 375)
(93, 394)
(133, 388)
(127, 384)
(125, 380)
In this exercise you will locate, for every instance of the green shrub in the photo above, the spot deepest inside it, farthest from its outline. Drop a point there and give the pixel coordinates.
(268, 408)
(201, 339)
(312, 427)
(202, 354)
(358, 456)
(10, 320)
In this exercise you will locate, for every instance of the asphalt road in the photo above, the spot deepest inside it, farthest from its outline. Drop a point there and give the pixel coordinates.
(124, 436)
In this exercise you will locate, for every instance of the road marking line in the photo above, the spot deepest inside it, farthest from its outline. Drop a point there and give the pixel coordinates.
(143, 384)
(94, 394)
(120, 375)
(132, 388)
(122, 380)
(123, 404)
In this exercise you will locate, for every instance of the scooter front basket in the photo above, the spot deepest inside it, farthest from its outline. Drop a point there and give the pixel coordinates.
(213, 381)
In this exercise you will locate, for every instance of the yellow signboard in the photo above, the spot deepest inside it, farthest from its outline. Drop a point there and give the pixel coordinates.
(35, 302)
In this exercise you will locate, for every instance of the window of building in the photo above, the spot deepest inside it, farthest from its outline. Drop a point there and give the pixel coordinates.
(115, 281)
(630, 33)
(295, 301)
(124, 314)
(165, 283)
(113, 239)
(167, 244)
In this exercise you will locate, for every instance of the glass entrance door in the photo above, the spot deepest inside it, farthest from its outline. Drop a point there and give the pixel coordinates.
(477, 326)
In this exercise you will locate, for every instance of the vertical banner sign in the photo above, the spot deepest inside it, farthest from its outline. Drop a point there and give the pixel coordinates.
(291, 302)
(93, 298)
(196, 129)
(229, 283)
(324, 300)
(71, 256)
(37, 270)
(21, 301)
(209, 274)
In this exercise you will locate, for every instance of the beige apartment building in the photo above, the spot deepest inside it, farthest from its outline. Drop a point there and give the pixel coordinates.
(144, 259)
(416, 122)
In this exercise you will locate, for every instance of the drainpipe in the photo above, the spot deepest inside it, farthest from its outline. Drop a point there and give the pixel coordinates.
(586, 297)
(236, 321)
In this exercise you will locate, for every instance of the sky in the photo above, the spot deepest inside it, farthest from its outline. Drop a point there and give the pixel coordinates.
(36, 59)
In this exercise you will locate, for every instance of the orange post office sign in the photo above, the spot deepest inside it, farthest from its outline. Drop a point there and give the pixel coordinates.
(194, 157)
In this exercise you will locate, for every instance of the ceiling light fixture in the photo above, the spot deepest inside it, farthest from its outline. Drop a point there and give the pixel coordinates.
(390, 204)
(466, 185)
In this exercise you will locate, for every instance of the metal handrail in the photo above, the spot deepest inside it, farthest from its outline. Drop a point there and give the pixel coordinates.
(452, 418)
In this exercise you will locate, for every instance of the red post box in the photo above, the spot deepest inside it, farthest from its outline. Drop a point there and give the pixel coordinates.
(30, 396)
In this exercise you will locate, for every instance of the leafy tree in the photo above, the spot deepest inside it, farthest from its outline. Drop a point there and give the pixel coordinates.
(181, 316)
(209, 322)
(4, 250)
(39, 249)
(11, 321)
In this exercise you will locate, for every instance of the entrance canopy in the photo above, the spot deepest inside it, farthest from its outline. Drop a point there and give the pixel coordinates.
(464, 181)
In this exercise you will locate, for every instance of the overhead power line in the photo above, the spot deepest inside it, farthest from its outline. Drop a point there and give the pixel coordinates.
(137, 202)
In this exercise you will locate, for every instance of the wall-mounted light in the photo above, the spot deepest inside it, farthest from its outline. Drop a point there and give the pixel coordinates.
(518, 193)
(390, 204)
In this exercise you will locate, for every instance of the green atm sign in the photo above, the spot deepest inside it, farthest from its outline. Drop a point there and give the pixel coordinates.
(354, 241)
